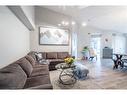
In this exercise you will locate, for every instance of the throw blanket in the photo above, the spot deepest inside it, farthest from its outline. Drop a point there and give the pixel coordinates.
(80, 71)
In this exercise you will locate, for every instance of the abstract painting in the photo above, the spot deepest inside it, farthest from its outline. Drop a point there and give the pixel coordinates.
(53, 36)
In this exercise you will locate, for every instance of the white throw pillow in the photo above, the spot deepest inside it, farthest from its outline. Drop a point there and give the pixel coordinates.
(38, 56)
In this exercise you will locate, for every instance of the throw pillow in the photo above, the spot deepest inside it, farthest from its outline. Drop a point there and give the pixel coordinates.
(38, 56)
(25, 65)
(30, 59)
(40, 59)
(43, 61)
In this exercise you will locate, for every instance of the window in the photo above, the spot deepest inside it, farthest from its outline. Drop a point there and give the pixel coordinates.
(119, 44)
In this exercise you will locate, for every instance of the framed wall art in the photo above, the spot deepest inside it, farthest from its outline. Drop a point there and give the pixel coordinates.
(53, 36)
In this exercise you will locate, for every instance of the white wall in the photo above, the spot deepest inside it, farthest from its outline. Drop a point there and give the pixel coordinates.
(74, 40)
(84, 38)
(106, 35)
(14, 38)
(45, 17)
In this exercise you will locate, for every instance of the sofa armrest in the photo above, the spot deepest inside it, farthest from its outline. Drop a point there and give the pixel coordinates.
(44, 86)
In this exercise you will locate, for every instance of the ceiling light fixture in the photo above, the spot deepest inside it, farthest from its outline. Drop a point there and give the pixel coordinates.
(63, 22)
(66, 23)
(84, 24)
(59, 24)
(73, 23)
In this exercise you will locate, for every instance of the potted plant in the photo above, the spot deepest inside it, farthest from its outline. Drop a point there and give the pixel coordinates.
(69, 61)
(85, 48)
(85, 52)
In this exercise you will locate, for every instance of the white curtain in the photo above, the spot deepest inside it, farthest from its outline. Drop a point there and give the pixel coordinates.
(119, 44)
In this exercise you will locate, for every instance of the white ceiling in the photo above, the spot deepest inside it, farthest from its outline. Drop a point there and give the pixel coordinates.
(113, 18)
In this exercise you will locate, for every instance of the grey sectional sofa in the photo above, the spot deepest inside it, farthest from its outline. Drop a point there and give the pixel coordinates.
(28, 73)
(53, 58)
(25, 73)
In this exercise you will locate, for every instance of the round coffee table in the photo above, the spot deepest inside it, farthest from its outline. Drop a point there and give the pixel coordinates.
(66, 76)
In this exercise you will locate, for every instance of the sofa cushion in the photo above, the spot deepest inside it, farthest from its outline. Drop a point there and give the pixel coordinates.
(55, 60)
(12, 77)
(43, 54)
(11, 68)
(40, 70)
(32, 54)
(39, 56)
(26, 66)
(51, 55)
(62, 55)
(40, 66)
(43, 61)
(36, 81)
(30, 59)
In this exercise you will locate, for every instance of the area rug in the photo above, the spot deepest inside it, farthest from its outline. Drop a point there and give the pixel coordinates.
(88, 83)
(101, 76)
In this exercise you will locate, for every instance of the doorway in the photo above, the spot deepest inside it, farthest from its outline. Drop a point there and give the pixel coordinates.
(95, 44)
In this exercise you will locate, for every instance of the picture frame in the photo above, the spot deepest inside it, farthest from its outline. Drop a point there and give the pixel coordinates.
(53, 36)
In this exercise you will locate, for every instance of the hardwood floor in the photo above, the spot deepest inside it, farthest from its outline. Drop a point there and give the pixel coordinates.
(101, 76)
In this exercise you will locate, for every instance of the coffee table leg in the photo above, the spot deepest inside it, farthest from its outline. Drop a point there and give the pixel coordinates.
(62, 74)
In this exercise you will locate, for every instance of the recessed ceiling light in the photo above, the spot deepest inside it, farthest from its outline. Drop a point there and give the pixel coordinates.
(66, 23)
(84, 24)
(63, 22)
(73, 23)
(59, 24)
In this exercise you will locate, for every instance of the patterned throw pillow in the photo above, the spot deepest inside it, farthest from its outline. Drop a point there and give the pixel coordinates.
(38, 56)
(40, 59)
